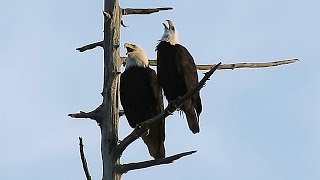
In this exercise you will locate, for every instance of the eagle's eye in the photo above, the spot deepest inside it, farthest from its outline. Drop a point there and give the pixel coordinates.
(130, 49)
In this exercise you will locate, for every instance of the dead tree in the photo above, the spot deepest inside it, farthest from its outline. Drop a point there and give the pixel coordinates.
(107, 114)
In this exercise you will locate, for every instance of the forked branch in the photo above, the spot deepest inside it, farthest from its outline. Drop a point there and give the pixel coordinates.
(128, 11)
(90, 46)
(121, 169)
(137, 132)
(83, 160)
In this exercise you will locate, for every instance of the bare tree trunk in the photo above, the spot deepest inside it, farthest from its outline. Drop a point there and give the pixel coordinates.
(110, 105)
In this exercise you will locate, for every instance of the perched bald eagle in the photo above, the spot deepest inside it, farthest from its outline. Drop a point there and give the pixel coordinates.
(141, 98)
(177, 74)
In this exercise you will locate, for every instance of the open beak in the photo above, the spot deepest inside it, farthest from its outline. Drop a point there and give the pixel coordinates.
(170, 23)
(165, 26)
(128, 48)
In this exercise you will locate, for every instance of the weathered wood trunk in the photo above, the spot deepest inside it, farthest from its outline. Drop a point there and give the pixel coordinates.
(110, 105)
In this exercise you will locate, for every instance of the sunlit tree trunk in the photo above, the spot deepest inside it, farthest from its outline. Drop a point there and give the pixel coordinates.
(110, 105)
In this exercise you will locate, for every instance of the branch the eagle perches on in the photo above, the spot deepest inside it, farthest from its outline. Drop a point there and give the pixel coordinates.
(140, 130)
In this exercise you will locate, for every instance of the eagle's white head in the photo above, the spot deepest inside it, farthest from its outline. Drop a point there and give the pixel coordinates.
(136, 56)
(170, 33)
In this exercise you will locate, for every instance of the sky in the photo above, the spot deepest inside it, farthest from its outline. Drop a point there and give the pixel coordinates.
(256, 123)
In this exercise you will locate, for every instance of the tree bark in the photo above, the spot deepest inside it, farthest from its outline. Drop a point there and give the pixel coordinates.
(110, 105)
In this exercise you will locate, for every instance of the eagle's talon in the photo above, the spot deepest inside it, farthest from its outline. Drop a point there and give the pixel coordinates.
(146, 133)
(119, 141)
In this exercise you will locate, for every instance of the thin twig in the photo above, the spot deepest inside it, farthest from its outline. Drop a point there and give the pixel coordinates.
(90, 46)
(145, 164)
(83, 160)
(137, 132)
(128, 11)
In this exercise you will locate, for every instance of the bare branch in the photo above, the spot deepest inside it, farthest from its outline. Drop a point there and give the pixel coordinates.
(128, 11)
(172, 106)
(83, 160)
(95, 114)
(249, 65)
(121, 169)
(90, 46)
(153, 62)
(239, 65)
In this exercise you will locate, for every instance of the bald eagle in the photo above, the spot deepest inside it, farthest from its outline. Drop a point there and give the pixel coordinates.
(177, 74)
(141, 98)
